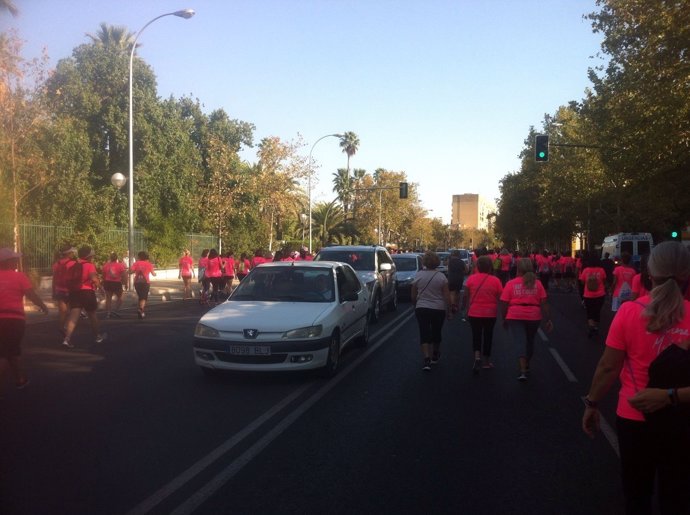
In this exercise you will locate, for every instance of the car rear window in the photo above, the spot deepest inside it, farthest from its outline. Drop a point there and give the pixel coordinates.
(357, 259)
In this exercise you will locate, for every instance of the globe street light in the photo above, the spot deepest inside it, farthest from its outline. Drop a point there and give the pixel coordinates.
(118, 180)
(186, 14)
(309, 177)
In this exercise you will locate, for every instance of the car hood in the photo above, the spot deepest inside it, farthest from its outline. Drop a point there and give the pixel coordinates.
(405, 276)
(264, 315)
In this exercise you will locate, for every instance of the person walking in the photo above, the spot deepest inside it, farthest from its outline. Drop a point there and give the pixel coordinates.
(622, 282)
(456, 276)
(647, 350)
(431, 298)
(142, 269)
(524, 307)
(229, 272)
(243, 266)
(114, 276)
(506, 263)
(214, 273)
(480, 299)
(83, 282)
(203, 280)
(593, 278)
(14, 286)
(186, 273)
(543, 262)
(641, 283)
(60, 289)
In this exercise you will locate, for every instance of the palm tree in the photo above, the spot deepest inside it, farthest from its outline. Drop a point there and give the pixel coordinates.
(113, 36)
(8, 5)
(329, 223)
(349, 142)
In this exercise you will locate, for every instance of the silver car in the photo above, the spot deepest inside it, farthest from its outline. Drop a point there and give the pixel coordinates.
(407, 266)
(374, 267)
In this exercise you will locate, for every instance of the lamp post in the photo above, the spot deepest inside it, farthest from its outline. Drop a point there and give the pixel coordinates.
(186, 14)
(309, 178)
(303, 219)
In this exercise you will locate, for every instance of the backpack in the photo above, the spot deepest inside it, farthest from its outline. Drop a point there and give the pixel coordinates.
(241, 266)
(73, 276)
(592, 282)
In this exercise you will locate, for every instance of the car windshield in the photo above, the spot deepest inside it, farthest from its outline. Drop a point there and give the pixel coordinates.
(286, 284)
(443, 256)
(405, 264)
(357, 259)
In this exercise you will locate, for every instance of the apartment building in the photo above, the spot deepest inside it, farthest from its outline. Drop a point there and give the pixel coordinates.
(471, 211)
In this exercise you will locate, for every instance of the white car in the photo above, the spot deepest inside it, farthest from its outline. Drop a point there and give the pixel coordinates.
(285, 316)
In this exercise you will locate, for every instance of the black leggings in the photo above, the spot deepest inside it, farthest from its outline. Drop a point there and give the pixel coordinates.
(430, 323)
(482, 329)
(647, 455)
(593, 306)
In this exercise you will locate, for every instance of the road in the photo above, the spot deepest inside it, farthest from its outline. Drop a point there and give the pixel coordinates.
(132, 426)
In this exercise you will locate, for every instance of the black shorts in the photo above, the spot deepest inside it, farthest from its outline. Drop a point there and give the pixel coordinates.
(61, 296)
(113, 287)
(142, 290)
(11, 334)
(83, 299)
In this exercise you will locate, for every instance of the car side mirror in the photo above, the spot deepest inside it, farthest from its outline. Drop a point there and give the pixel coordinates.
(350, 296)
(385, 267)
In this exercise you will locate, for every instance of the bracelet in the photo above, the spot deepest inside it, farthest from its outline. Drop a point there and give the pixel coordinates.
(590, 403)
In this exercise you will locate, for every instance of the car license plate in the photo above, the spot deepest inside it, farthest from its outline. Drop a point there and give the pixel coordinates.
(250, 350)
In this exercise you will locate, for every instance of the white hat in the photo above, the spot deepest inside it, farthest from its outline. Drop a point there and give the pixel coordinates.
(7, 253)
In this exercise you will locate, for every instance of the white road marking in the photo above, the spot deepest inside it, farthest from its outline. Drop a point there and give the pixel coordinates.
(197, 499)
(561, 363)
(608, 432)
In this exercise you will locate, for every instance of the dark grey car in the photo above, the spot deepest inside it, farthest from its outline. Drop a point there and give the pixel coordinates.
(407, 266)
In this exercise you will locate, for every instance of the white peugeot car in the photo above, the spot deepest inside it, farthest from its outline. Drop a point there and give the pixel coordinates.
(285, 316)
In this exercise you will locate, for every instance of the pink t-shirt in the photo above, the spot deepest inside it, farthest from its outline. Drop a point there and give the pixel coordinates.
(13, 287)
(59, 279)
(214, 267)
(601, 274)
(567, 262)
(638, 287)
(186, 265)
(628, 333)
(484, 292)
(203, 262)
(523, 303)
(543, 263)
(506, 261)
(623, 274)
(230, 267)
(142, 268)
(87, 270)
(113, 270)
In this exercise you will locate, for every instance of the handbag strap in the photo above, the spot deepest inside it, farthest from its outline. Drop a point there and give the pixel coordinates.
(477, 290)
(426, 285)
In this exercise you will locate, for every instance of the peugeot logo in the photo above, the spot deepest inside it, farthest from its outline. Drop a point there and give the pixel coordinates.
(251, 333)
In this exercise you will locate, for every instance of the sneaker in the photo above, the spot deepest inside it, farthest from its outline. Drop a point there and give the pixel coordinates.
(140, 314)
(83, 315)
(435, 357)
(115, 314)
(427, 364)
(67, 344)
(477, 365)
(22, 385)
(522, 377)
(101, 337)
(107, 315)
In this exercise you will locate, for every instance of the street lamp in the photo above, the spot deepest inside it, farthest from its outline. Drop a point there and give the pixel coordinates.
(309, 177)
(186, 14)
(303, 219)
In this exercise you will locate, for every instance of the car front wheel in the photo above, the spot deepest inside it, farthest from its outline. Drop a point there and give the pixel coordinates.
(393, 305)
(333, 360)
(375, 309)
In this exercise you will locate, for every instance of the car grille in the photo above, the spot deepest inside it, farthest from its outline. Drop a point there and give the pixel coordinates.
(250, 360)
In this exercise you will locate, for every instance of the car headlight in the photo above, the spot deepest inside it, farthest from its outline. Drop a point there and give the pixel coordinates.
(304, 332)
(206, 331)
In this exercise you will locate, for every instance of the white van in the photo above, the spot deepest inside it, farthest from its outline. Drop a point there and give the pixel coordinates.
(634, 243)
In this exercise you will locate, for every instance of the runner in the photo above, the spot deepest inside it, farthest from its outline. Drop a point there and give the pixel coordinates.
(14, 286)
(60, 290)
(142, 270)
(114, 276)
(593, 279)
(229, 272)
(622, 282)
(203, 280)
(243, 266)
(214, 273)
(186, 273)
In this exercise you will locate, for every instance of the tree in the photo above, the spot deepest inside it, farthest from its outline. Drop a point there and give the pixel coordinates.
(113, 36)
(329, 223)
(349, 142)
(7, 5)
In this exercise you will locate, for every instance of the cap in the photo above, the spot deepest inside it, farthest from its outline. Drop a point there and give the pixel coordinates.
(7, 253)
(66, 249)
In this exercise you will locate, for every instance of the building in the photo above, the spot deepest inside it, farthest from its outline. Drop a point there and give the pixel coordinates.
(471, 211)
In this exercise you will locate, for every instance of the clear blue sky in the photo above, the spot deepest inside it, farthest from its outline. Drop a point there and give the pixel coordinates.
(444, 90)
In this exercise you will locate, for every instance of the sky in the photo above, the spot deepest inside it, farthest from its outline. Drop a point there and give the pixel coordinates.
(443, 90)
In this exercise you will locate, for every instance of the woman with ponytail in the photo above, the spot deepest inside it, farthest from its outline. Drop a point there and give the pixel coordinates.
(653, 420)
(523, 301)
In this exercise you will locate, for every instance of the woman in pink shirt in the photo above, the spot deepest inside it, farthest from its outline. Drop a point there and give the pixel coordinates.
(114, 275)
(593, 278)
(523, 303)
(481, 294)
(622, 282)
(214, 272)
(142, 270)
(186, 273)
(228, 272)
(650, 327)
(642, 283)
(14, 286)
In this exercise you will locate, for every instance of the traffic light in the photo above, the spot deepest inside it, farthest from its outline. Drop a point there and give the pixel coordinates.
(675, 234)
(403, 190)
(541, 147)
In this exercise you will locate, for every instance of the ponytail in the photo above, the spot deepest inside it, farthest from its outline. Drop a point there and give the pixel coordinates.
(669, 267)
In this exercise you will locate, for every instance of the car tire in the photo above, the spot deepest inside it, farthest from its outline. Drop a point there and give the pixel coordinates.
(363, 339)
(393, 304)
(375, 313)
(333, 359)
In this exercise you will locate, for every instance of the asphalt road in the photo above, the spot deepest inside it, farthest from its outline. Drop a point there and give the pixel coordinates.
(132, 426)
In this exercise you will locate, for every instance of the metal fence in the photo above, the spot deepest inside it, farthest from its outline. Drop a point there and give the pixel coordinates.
(40, 242)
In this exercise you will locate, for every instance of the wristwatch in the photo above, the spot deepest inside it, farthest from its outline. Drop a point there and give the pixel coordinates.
(589, 403)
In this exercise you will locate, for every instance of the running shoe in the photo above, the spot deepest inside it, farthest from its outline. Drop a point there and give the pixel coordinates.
(427, 365)
(435, 357)
(23, 384)
(522, 377)
(488, 364)
(67, 344)
(101, 337)
(477, 365)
